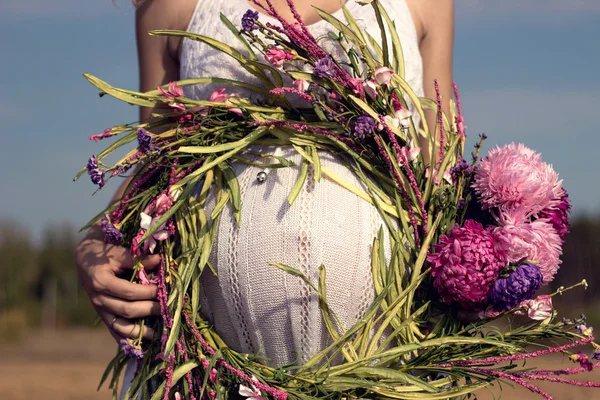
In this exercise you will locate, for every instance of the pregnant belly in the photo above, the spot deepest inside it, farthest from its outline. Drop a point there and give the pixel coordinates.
(256, 307)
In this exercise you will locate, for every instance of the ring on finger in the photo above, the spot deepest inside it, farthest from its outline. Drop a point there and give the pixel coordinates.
(112, 323)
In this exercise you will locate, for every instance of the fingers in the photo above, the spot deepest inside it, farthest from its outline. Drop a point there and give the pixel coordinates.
(128, 309)
(120, 327)
(123, 289)
(129, 329)
(121, 257)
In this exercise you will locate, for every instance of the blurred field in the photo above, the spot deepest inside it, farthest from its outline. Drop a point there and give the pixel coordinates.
(68, 364)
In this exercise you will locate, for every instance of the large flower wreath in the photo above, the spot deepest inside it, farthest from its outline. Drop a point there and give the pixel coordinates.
(479, 235)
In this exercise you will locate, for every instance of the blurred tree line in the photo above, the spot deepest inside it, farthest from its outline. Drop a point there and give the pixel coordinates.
(38, 282)
(39, 287)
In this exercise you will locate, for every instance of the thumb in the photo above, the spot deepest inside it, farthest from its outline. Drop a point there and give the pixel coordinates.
(150, 261)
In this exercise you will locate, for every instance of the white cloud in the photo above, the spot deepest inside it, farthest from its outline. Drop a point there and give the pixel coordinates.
(504, 7)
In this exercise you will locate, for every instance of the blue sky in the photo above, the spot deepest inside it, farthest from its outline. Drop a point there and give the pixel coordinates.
(527, 70)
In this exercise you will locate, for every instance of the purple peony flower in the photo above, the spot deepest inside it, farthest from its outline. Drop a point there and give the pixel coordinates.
(131, 350)
(145, 141)
(521, 284)
(111, 234)
(363, 126)
(465, 265)
(558, 215)
(515, 177)
(249, 21)
(324, 68)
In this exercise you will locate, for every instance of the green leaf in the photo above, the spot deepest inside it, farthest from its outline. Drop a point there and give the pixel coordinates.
(246, 63)
(299, 182)
(241, 38)
(177, 375)
(398, 64)
(350, 34)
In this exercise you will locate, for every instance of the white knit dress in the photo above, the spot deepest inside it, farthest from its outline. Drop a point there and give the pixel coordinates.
(255, 307)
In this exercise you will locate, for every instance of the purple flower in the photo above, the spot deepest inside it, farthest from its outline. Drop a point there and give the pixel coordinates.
(465, 265)
(558, 215)
(461, 168)
(596, 355)
(131, 350)
(92, 164)
(145, 141)
(249, 21)
(521, 284)
(324, 68)
(96, 175)
(111, 234)
(363, 126)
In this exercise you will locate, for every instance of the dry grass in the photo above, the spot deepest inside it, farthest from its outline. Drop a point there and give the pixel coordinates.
(67, 365)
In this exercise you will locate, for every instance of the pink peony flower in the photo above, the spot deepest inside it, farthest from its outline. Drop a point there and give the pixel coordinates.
(383, 75)
(514, 176)
(558, 215)
(465, 265)
(277, 57)
(539, 308)
(535, 241)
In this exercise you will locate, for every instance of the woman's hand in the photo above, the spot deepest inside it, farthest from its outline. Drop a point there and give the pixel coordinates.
(117, 301)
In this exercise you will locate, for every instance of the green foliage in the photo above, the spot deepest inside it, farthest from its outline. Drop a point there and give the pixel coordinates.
(38, 281)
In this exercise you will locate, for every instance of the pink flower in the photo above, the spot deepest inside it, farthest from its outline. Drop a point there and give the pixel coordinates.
(370, 88)
(356, 84)
(402, 114)
(383, 75)
(251, 393)
(301, 85)
(413, 152)
(277, 57)
(489, 313)
(174, 90)
(465, 265)
(212, 376)
(536, 241)
(446, 175)
(219, 96)
(157, 208)
(514, 176)
(143, 277)
(538, 309)
(162, 233)
(558, 215)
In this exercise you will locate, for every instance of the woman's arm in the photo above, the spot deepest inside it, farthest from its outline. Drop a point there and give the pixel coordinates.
(434, 20)
(99, 265)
